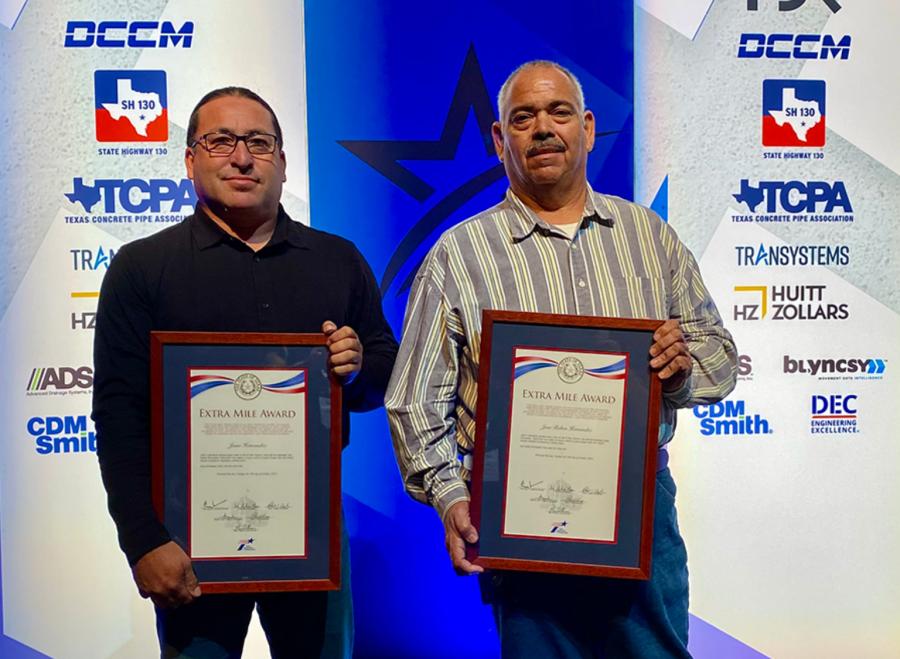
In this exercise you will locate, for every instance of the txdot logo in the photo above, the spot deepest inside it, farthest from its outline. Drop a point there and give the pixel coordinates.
(128, 34)
(791, 5)
(61, 434)
(730, 417)
(834, 414)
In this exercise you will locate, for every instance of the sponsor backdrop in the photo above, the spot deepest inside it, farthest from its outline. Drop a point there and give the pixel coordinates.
(775, 165)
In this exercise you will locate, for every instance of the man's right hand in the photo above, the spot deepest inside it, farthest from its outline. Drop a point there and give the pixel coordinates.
(458, 530)
(165, 576)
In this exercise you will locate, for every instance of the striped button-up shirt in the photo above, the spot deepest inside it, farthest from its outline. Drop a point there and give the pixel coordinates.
(623, 261)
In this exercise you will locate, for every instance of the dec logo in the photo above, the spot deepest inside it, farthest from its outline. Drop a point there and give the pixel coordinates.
(834, 405)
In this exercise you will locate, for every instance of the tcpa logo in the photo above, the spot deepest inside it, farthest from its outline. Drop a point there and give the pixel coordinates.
(133, 195)
(128, 34)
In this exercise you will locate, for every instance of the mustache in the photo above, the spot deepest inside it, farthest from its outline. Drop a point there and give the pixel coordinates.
(549, 145)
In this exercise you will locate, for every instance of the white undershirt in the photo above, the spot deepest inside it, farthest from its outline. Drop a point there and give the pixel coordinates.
(570, 229)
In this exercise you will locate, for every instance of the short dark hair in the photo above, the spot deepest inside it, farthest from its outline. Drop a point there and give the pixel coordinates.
(241, 92)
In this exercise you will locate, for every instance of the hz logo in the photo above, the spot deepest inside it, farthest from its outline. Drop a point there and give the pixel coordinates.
(131, 106)
(84, 320)
(756, 45)
(133, 195)
(128, 34)
(788, 302)
(730, 417)
(793, 113)
(61, 378)
(61, 434)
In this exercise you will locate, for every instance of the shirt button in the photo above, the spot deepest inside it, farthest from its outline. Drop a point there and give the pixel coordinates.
(265, 305)
(257, 259)
(574, 246)
(581, 283)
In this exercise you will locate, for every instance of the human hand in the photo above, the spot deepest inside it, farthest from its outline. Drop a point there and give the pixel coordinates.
(670, 355)
(346, 351)
(165, 576)
(458, 530)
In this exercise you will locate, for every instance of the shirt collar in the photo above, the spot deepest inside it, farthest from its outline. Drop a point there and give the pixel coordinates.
(523, 221)
(207, 233)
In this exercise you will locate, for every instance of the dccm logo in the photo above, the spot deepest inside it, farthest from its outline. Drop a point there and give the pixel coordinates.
(763, 255)
(835, 369)
(833, 414)
(84, 260)
(60, 379)
(133, 195)
(756, 45)
(61, 434)
(128, 34)
(730, 417)
(791, 5)
(788, 302)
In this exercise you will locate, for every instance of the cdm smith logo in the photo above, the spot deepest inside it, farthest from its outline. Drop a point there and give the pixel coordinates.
(131, 106)
(61, 434)
(730, 417)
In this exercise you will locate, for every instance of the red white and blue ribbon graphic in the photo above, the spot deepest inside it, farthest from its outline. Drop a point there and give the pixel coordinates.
(523, 365)
(293, 385)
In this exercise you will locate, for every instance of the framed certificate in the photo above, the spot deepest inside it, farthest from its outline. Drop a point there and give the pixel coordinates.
(246, 449)
(566, 444)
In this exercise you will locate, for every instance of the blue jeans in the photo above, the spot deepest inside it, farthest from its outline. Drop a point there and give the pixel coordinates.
(548, 615)
(297, 624)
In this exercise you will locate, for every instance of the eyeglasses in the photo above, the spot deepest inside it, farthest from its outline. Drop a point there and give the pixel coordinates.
(224, 144)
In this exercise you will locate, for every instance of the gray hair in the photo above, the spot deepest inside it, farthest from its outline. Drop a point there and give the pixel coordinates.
(503, 96)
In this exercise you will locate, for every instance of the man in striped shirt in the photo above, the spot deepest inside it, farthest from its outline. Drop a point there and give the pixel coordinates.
(554, 246)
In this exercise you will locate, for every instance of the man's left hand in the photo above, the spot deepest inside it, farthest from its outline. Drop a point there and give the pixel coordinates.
(346, 351)
(670, 355)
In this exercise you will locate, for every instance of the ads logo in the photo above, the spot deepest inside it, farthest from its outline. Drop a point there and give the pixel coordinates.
(837, 369)
(90, 260)
(763, 255)
(788, 302)
(131, 106)
(61, 434)
(791, 5)
(133, 195)
(793, 113)
(730, 417)
(833, 414)
(128, 34)
(60, 380)
(794, 201)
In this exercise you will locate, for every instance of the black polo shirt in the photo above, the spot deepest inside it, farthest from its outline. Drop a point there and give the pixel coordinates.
(195, 277)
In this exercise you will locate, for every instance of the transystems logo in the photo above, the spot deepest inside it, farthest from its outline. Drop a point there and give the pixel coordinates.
(763, 255)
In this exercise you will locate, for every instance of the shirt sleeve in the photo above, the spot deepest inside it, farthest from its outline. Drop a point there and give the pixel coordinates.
(422, 394)
(121, 406)
(366, 391)
(712, 348)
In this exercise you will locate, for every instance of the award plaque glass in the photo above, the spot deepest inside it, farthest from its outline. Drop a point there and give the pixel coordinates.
(245, 455)
(566, 444)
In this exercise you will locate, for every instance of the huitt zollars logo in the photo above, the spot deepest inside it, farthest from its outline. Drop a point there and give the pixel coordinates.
(788, 302)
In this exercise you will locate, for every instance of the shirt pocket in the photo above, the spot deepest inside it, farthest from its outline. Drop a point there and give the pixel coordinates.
(642, 297)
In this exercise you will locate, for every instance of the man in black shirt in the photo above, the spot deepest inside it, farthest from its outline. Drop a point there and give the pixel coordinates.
(238, 264)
